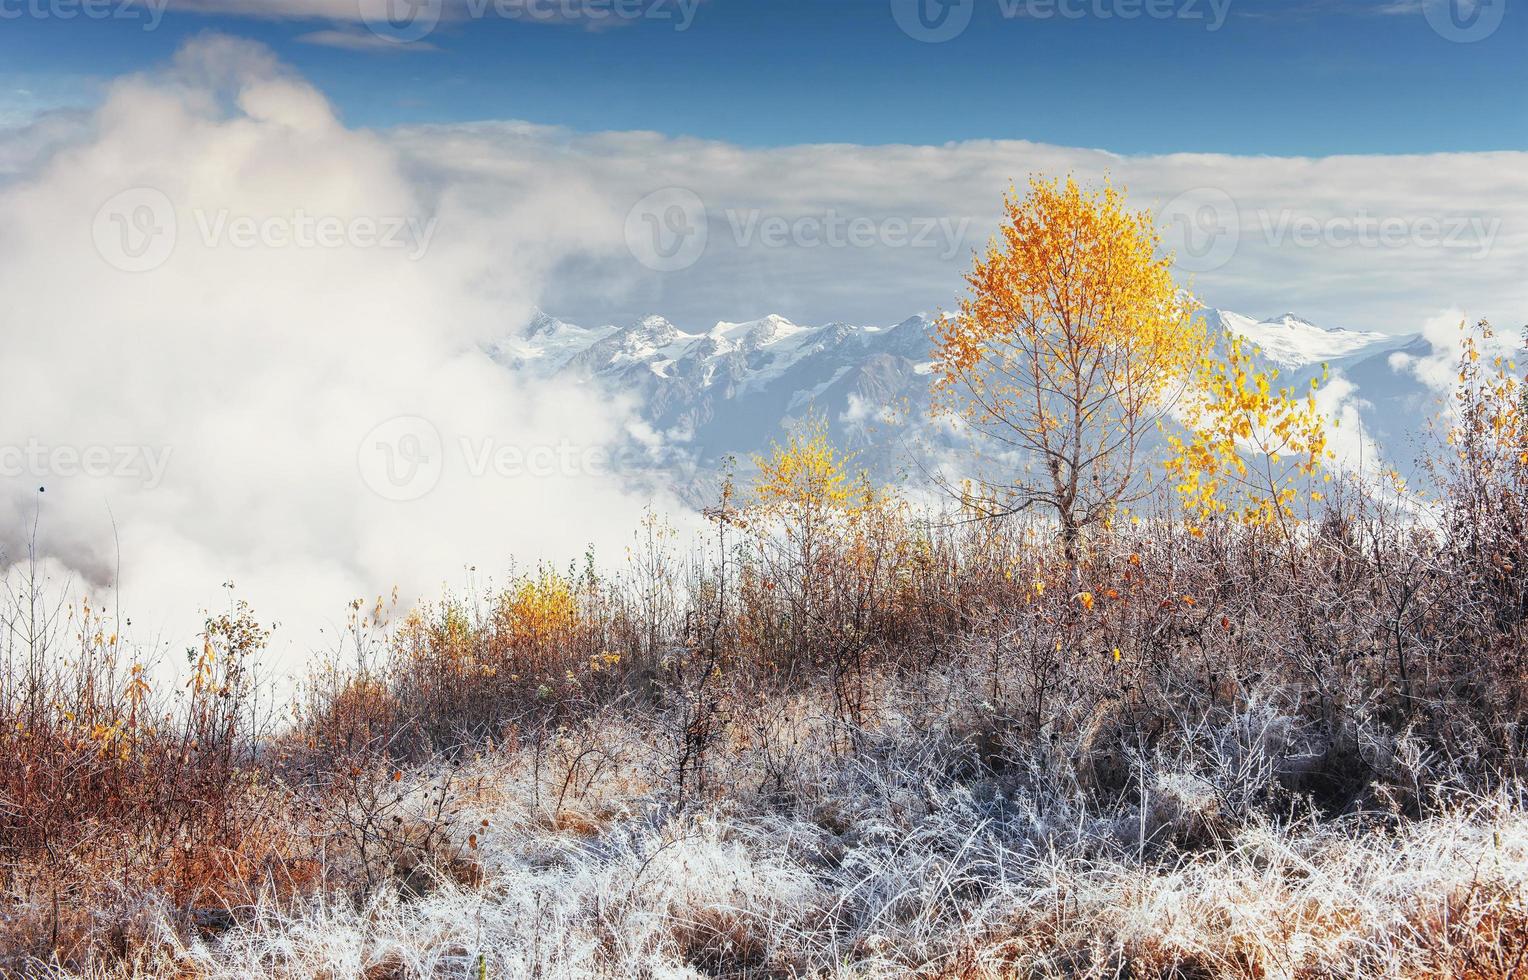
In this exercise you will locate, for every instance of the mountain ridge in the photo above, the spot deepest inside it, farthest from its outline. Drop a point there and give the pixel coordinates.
(730, 389)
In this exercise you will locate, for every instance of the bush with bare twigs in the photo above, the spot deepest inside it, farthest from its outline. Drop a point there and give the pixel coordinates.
(837, 737)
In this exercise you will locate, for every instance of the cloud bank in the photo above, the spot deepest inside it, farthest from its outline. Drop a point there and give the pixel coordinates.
(1369, 243)
(221, 369)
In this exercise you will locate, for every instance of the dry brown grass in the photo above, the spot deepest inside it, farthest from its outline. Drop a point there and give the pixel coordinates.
(918, 747)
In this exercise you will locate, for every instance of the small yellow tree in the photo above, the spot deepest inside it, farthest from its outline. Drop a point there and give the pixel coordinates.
(1250, 448)
(808, 501)
(1488, 424)
(1072, 345)
(1485, 471)
(831, 546)
(807, 486)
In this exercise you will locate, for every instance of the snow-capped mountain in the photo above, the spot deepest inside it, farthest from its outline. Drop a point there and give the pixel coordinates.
(730, 389)
(1290, 342)
(1381, 407)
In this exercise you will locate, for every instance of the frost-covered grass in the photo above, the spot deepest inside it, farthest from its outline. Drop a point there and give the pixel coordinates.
(896, 865)
(939, 751)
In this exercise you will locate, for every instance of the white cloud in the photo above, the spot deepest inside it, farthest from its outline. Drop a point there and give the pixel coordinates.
(1355, 449)
(1439, 370)
(1370, 243)
(262, 369)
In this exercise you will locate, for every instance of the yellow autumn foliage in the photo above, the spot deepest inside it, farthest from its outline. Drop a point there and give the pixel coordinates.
(539, 610)
(1489, 426)
(1251, 448)
(1074, 341)
(808, 477)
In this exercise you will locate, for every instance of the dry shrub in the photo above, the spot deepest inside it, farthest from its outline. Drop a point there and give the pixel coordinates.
(123, 794)
(837, 737)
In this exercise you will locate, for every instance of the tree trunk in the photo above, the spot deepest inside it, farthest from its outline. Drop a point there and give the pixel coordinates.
(1070, 536)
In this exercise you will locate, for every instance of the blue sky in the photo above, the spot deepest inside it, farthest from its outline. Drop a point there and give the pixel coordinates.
(1281, 77)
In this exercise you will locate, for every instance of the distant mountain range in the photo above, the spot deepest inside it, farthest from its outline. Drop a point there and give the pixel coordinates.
(1374, 391)
(731, 389)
